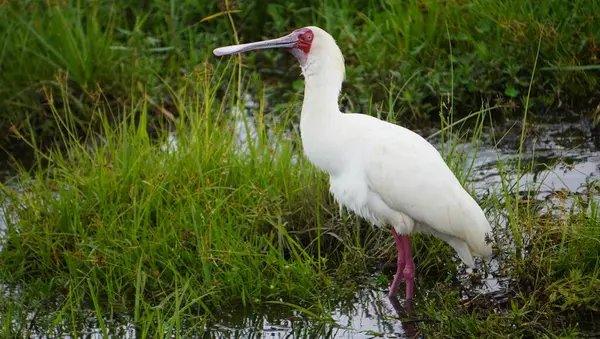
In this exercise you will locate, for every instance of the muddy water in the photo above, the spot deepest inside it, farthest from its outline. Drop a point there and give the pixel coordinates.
(565, 158)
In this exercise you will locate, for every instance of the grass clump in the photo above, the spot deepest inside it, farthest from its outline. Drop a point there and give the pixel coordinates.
(122, 215)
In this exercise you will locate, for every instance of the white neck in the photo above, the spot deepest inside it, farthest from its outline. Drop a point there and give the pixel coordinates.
(321, 114)
(322, 86)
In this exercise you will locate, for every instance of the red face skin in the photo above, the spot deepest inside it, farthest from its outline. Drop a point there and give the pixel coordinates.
(305, 40)
(303, 44)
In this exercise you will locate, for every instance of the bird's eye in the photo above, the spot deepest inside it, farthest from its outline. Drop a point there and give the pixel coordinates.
(308, 36)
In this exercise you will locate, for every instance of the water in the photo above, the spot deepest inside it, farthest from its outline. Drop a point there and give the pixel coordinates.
(370, 313)
(566, 157)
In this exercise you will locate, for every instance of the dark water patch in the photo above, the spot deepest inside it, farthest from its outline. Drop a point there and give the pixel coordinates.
(368, 313)
(16, 153)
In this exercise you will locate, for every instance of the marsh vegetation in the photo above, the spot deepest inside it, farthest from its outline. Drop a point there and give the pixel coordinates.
(161, 188)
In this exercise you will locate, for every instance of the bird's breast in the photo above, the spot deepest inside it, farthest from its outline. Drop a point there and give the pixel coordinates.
(324, 149)
(351, 191)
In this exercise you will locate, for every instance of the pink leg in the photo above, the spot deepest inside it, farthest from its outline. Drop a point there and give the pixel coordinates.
(401, 263)
(409, 269)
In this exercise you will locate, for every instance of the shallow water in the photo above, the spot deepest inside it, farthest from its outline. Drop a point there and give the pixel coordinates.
(368, 314)
(565, 158)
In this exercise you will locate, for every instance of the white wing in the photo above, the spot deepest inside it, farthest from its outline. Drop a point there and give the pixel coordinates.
(410, 175)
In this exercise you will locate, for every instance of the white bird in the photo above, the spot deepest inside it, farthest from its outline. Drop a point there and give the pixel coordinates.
(383, 172)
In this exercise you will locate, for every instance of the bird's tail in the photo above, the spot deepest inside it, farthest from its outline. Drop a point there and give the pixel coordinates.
(479, 236)
(472, 233)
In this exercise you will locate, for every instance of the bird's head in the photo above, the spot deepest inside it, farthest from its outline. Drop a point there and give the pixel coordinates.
(313, 47)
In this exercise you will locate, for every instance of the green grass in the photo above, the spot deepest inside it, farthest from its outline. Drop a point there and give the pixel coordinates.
(110, 226)
(116, 225)
(197, 210)
(394, 47)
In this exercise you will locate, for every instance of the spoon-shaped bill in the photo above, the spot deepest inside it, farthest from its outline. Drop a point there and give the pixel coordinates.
(287, 41)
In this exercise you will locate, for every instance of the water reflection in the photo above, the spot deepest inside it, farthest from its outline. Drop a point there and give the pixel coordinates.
(369, 313)
(405, 315)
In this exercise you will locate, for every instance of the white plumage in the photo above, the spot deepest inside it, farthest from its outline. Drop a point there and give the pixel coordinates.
(383, 172)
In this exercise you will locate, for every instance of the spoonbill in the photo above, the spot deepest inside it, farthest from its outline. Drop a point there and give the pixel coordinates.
(383, 172)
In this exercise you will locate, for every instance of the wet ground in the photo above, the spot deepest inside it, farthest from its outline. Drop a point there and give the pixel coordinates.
(566, 157)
